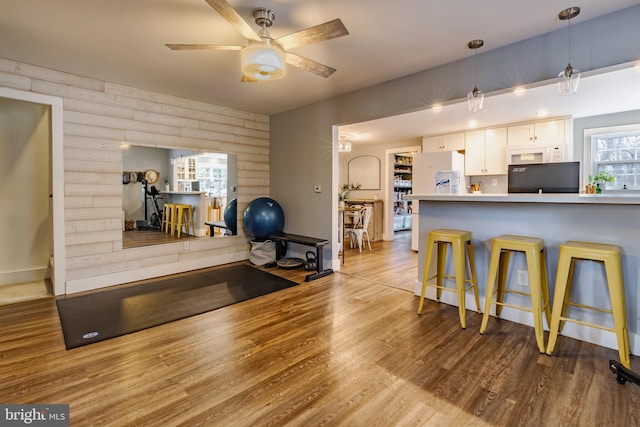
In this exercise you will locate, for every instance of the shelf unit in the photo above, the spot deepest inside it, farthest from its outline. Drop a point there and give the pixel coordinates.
(402, 184)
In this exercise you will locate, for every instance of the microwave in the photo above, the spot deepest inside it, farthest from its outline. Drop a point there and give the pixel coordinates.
(522, 155)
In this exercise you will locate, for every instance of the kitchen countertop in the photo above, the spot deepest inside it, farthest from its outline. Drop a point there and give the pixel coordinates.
(610, 198)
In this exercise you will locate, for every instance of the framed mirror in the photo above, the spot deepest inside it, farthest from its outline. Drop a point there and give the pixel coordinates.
(365, 170)
(153, 176)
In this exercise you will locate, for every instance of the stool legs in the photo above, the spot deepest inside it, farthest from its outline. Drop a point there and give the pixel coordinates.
(533, 249)
(425, 274)
(608, 255)
(459, 246)
(613, 268)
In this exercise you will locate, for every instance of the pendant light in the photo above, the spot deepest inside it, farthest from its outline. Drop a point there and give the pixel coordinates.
(344, 145)
(475, 98)
(568, 78)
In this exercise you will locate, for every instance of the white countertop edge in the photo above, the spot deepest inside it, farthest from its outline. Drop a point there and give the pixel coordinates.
(616, 199)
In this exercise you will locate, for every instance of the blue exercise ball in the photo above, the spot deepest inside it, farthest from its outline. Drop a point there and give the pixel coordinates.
(230, 216)
(263, 216)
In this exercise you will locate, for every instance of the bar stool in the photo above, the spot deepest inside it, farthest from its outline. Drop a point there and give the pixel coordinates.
(609, 255)
(167, 217)
(183, 217)
(533, 248)
(458, 239)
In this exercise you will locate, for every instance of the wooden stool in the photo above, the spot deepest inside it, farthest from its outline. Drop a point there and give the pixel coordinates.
(458, 239)
(183, 217)
(609, 255)
(167, 218)
(533, 248)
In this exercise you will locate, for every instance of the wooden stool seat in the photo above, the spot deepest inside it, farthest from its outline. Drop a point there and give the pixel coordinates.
(610, 256)
(533, 248)
(459, 240)
(183, 217)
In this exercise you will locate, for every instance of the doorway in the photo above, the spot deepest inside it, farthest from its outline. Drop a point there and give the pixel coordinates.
(391, 193)
(27, 211)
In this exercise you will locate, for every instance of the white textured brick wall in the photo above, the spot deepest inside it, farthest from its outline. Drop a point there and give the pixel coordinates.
(98, 117)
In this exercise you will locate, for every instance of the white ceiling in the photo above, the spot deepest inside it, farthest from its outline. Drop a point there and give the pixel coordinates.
(123, 41)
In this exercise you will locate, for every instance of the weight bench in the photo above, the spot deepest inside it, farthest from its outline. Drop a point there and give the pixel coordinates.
(319, 244)
(216, 224)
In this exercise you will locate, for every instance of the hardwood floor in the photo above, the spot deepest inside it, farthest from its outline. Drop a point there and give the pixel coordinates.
(347, 349)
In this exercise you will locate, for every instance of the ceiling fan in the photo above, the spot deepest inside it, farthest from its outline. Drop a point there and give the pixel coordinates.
(264, 57)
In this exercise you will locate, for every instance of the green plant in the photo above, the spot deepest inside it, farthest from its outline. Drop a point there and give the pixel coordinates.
(601, 177)
(345, 189)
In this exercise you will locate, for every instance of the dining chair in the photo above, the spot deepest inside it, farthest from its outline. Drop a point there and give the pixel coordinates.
(360, 230)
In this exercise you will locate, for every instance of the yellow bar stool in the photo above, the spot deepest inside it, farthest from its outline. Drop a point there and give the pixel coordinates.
(459, 241)
(183, 217)
(501, 250)
(610, 256)
(167, 218)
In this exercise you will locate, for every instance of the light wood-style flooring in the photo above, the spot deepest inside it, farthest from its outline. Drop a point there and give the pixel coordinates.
(344, 350)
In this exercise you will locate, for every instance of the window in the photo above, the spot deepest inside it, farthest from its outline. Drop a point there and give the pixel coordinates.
(616, 151)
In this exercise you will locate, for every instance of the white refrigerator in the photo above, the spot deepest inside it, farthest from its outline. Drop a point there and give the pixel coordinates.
(425, 167)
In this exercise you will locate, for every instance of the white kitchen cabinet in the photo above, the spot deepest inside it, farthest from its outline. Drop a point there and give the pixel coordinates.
(544, 134)
(486, 152)
(449, 142)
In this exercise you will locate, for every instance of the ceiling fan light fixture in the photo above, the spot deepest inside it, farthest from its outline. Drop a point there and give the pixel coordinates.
(263, 62)
(569, 78)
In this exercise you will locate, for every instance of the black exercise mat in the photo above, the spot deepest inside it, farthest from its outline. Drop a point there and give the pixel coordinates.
(99, 316)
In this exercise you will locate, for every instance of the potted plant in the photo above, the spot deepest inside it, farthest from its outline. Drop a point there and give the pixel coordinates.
(344, 190)
(603, 177)
(166, 184)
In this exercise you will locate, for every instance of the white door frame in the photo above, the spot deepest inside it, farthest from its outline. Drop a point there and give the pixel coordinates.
(58, 276)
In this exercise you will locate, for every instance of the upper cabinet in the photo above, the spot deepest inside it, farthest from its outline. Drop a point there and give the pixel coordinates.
(486, 152)
(450, 142)
(544, 134)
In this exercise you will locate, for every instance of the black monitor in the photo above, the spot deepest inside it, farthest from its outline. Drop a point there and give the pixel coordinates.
(561, 177)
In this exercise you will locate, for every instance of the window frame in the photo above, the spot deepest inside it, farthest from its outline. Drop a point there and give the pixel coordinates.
(589, 166)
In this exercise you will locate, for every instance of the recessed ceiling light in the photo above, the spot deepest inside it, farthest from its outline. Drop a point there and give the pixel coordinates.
(437, 108)
(473, 123)
(542, 113)
(519, 91)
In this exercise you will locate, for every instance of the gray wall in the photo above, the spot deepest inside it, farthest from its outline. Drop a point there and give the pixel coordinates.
(301, 139)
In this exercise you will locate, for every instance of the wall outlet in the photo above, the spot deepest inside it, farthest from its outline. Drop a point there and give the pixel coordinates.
(494, 182)
(523, 278)
(317, 189)
(185, 246)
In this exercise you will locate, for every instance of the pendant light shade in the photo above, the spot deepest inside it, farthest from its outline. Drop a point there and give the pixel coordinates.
(569, 78)
(475, 98)
(263, 62)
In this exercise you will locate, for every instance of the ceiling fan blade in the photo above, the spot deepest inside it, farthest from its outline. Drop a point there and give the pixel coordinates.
(202, 47)
(227, 12)
(309, 65)
(327, 31)
(247, 79)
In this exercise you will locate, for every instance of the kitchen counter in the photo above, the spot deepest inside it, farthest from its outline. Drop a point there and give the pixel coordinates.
(606, 198)
(606, 218)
